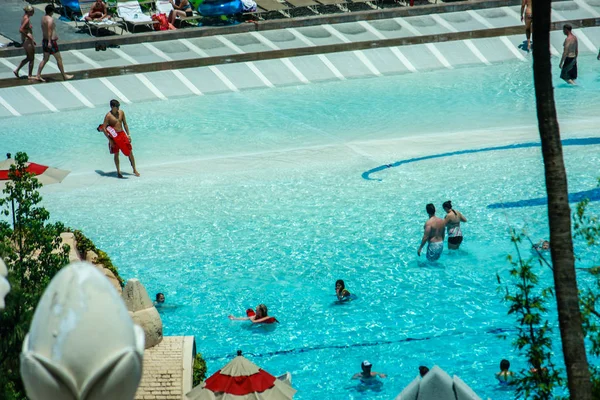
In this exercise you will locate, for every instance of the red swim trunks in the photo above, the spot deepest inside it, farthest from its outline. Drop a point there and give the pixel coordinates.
(49, 46)
(119, 141)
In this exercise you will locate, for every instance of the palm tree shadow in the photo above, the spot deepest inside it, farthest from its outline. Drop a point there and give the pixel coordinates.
(112, 174)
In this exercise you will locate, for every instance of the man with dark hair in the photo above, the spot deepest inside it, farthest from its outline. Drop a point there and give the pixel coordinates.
(433, 235)
(50, 45)
(116, 130)
(568, 62)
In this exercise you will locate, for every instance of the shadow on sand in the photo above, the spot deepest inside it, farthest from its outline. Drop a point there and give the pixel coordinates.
(113, 174)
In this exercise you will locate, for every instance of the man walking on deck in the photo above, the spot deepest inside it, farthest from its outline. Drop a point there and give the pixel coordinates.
(116, 130)
(568, 62)
(50, 45)
(526, 8)
(433, 235)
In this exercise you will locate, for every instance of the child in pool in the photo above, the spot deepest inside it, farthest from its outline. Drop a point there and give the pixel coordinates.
(340, 290)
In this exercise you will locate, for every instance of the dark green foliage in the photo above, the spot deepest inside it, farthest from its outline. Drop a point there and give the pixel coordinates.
(588, 228)
(33, 253)
(528, 303)
(199, 374)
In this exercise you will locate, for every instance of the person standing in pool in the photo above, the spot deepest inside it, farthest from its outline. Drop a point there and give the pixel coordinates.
(433, 235)
(452, 220)
(340, 289)
(367, 376)
(568, 62)
(526, 10)
(115, 119)
(261, 315)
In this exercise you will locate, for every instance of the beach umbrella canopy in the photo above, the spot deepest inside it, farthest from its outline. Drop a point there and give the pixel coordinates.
(241, 379)
(45, 175)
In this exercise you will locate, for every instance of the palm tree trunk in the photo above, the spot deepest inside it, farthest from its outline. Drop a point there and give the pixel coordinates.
(559, 213)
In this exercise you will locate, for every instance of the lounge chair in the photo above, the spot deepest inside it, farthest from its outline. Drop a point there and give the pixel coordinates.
(85, 6)
(341, 4)
(131, 13)
(274, 5)
(310, 4)
(165, 7)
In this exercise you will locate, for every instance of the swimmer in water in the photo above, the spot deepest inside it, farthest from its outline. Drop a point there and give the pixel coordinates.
(340, 289)
(160, 300)
(261, 315)
(505, 376)
(367, 376)
(542, 245)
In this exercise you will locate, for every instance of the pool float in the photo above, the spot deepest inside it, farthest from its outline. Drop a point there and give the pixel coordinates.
(120, 138)
(214, 8)
(72, 5)
(250, 313)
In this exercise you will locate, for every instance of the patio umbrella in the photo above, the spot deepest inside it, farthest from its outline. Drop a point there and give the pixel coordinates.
(45, 175)
(240, 379)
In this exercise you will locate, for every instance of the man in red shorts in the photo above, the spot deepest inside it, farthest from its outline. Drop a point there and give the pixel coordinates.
(116, 130)
(50, 45)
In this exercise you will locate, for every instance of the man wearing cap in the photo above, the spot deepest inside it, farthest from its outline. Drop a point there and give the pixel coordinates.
(366, 376)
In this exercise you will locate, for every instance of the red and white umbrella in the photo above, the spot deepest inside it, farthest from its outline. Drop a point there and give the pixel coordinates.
(45, 175)
(241, 379)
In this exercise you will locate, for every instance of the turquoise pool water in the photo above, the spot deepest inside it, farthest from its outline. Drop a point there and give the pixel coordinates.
(258, 197)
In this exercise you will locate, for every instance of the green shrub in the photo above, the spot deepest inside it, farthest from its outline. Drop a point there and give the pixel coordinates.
(199, 372)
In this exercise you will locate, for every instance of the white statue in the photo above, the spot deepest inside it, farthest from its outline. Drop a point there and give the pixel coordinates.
(82, 344)
(4, 285)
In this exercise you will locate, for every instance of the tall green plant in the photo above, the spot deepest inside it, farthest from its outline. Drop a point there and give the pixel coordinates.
(33, 253)
(528, 303)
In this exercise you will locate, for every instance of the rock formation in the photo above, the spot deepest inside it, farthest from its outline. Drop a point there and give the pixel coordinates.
(143, 312)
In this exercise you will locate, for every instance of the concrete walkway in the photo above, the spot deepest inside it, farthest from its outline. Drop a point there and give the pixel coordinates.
(167, 369)
(290, 56)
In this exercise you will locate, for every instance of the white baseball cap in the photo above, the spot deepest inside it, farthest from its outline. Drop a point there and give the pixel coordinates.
(366, 363)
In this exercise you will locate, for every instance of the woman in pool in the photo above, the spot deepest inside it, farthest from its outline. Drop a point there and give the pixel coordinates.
(340, 290)
(453, 219)
(260, 316)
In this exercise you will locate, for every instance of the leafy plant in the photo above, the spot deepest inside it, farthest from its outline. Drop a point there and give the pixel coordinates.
(528, 303)
(199, 370)
(33, 252)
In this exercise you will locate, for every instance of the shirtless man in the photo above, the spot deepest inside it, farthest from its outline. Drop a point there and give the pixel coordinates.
(118, 139)
(568, 62)
(98, 12)
(50, 45)
(526, 7)
(433, 236)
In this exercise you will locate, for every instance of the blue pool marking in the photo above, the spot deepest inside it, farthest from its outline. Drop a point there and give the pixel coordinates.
(566, 142)
(494, 331)
(592, 195)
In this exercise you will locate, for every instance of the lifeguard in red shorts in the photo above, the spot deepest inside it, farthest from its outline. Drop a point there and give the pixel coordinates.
(116, 130)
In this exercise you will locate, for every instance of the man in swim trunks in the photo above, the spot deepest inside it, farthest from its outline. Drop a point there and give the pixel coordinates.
(115, 118)
(568, 62)
(526, 7)
(50, 45)
(433, 235)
